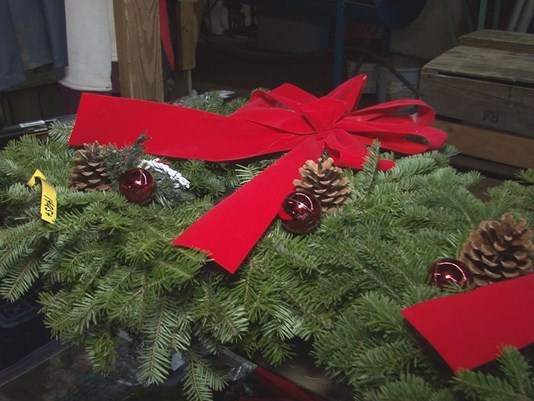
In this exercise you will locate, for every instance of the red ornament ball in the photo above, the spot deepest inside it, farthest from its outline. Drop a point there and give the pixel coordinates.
(137, 185)
(448, 271)
(300, 212)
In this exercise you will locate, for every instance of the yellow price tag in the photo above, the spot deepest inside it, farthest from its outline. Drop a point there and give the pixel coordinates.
(48, 197)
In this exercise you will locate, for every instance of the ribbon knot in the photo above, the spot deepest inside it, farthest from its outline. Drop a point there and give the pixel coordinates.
(286, 119)
(319, 119)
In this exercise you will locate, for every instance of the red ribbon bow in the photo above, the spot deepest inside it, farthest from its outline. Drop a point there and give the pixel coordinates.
(286, 119)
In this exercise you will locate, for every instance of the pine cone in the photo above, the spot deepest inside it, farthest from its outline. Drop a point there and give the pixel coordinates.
(88, 173)
(498, 250)
(326, 182)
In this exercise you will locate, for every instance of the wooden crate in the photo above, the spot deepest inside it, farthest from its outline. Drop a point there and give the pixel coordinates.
(482, 86)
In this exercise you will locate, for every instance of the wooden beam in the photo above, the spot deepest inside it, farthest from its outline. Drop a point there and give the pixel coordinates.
(187, 34)
(496, 146)
(189, 15)
(139, 49)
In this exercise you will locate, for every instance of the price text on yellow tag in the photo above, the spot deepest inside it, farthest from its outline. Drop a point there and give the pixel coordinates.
(48, 197)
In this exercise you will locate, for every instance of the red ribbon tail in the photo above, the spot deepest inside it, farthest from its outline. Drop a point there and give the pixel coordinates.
(165, 32)
(229, 231)
(469, 329)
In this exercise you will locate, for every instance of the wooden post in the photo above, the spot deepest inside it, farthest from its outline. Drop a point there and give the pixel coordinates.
(189, 14)
(139, 49)
(187, 25)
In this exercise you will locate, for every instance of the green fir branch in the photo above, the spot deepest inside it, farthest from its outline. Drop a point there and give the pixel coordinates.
(526, 176)
(220, 315)
(155, 355)
(516, 382)
(101, 349)
(408, 388)
(364, 180)
(201, 377)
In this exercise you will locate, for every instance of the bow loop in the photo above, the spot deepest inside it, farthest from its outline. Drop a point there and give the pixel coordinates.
(403, 136)
(392, 112)
(350, 92)
(289, 108)
(279, 109)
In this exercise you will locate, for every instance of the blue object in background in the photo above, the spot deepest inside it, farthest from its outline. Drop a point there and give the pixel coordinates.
(390, 14)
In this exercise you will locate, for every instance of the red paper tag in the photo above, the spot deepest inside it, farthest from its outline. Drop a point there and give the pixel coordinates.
(469, 329)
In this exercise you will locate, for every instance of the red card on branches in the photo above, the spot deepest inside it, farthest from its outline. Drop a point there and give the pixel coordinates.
(286, 119)
(469, 329)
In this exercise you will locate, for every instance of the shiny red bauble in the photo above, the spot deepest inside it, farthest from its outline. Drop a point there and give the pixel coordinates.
(300, 212)
(444, 272)
(138, 185)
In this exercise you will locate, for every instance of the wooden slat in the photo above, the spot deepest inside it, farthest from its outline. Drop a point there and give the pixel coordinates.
(139, 49)
(499, 40)
(486, 167)
(486, 64)
(501, 147)
(494, 105)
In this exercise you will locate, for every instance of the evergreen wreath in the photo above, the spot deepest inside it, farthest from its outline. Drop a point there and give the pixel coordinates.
(106, 268)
